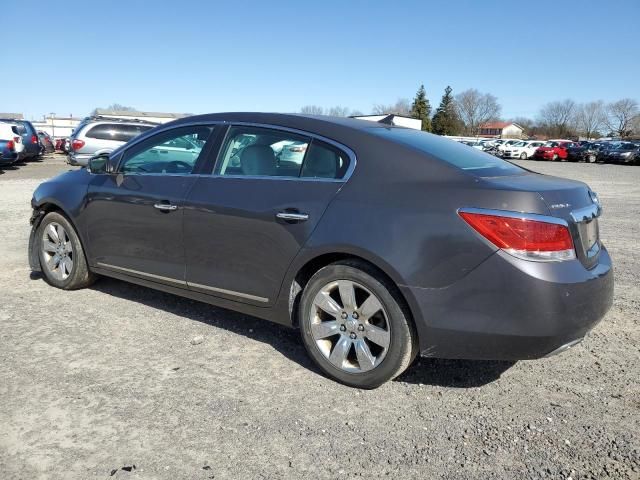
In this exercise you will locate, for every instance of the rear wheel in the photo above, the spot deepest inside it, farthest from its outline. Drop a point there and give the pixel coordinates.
(61, 254)
(354, 326)
(591, 158)
(555, 157)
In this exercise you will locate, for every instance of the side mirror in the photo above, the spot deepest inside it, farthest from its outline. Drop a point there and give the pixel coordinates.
(100, 164)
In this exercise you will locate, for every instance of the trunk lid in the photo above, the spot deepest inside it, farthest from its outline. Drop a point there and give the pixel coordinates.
(569, 200)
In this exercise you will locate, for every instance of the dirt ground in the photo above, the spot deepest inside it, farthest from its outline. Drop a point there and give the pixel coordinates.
(105, 383)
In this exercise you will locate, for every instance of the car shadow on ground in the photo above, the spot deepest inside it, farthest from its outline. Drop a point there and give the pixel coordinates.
(426, 371)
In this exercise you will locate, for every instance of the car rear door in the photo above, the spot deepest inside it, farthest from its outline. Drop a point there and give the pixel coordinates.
(134, 217)
(246, 222)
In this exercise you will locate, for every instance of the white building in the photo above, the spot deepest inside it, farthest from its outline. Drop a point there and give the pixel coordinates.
(501, 130)
(393, 119)
(57, 127)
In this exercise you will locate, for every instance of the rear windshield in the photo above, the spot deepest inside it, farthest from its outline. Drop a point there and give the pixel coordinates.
(471, 160)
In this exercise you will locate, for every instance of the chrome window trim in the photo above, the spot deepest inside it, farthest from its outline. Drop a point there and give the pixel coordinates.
(160, 129)
(350, 153)
(183, 283)
(512, 214)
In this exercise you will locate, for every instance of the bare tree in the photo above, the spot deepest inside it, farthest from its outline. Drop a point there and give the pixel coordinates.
(557, 118)
(590, 117)
(620, 116)
(115, 107)
(475, 108)
(401, 107)
(312, 110)
(338, 111)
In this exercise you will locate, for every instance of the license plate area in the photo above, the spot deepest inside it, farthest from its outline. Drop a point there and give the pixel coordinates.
(589, 237)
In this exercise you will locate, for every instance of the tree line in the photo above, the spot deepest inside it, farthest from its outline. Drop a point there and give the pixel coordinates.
(466, 112)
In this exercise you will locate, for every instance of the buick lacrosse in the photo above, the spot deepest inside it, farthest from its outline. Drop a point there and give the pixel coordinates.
(379, 243)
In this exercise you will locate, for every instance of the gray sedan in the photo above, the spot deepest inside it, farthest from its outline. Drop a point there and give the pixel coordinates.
(379, 243)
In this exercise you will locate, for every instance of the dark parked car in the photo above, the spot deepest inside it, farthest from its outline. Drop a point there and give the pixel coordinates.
(46, 142)
(603, 151)
(29, 137)
(625, 152)
(582, 152)
(378, 242)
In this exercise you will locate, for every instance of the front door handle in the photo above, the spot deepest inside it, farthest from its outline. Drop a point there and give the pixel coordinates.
(293, 216)
(165, 207)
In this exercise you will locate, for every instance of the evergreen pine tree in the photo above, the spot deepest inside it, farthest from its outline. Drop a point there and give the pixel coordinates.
(446, 120)
(421, 109)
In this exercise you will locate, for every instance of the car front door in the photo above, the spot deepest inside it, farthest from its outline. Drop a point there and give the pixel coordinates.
(245, 223)
(134, 216)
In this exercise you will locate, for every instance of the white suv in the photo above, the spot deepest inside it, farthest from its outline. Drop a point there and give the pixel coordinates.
(522, 150)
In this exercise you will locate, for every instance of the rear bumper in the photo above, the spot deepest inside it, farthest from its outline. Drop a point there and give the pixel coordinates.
(511, 309)
(8, 158)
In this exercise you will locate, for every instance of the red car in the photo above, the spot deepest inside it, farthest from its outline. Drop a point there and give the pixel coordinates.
(553, 150)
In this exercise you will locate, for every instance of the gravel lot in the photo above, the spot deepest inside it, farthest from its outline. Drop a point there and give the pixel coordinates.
(96, 381)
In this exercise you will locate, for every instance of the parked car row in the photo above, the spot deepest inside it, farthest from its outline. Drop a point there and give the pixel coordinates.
(19, 141)
(623, 152)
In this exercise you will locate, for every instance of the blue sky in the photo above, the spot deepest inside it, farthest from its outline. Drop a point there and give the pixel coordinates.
(208, 56)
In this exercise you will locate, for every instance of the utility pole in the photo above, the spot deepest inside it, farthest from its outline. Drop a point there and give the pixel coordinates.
(53, 124)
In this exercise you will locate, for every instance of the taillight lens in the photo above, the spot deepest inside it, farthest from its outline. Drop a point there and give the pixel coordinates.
(11, 145)
(77, 144)
(524, 237)
(34, 139)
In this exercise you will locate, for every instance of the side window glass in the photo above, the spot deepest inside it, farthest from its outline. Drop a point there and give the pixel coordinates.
(173, 152)
(263, 152)
(325, 161)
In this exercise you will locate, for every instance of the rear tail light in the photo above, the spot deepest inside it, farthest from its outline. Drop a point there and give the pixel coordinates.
(77, 144)
(11, 145)
(522, 237)
(34, 139)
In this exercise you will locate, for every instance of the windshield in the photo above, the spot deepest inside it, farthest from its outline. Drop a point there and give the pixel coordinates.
(520, 144)
(550, 144)
(471, 160)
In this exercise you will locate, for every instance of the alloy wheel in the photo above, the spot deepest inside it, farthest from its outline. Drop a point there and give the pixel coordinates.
(350, 326)
(57, 251)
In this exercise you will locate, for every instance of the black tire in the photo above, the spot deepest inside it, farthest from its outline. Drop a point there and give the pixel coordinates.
(591, 158)
(523, 156)
(555, 157)
(403, 345)
(80, 276)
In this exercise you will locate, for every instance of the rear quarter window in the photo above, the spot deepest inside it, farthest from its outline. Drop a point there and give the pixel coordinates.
(470, 160)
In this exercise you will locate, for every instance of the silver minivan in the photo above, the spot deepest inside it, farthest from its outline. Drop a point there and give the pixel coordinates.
(98, 135)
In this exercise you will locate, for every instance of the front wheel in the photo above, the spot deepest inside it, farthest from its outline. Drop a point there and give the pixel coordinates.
(61, 254)
(591, 158)
(354, 326)
(555, 157)
(523, 156)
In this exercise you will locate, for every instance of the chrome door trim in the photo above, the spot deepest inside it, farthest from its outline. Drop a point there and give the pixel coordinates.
(183, 283)
(296, 217)
(142, 274)
(228, 292)
(165, 207)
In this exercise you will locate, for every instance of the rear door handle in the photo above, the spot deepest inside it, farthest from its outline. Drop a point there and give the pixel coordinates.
(165, 207)
(293, 216)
